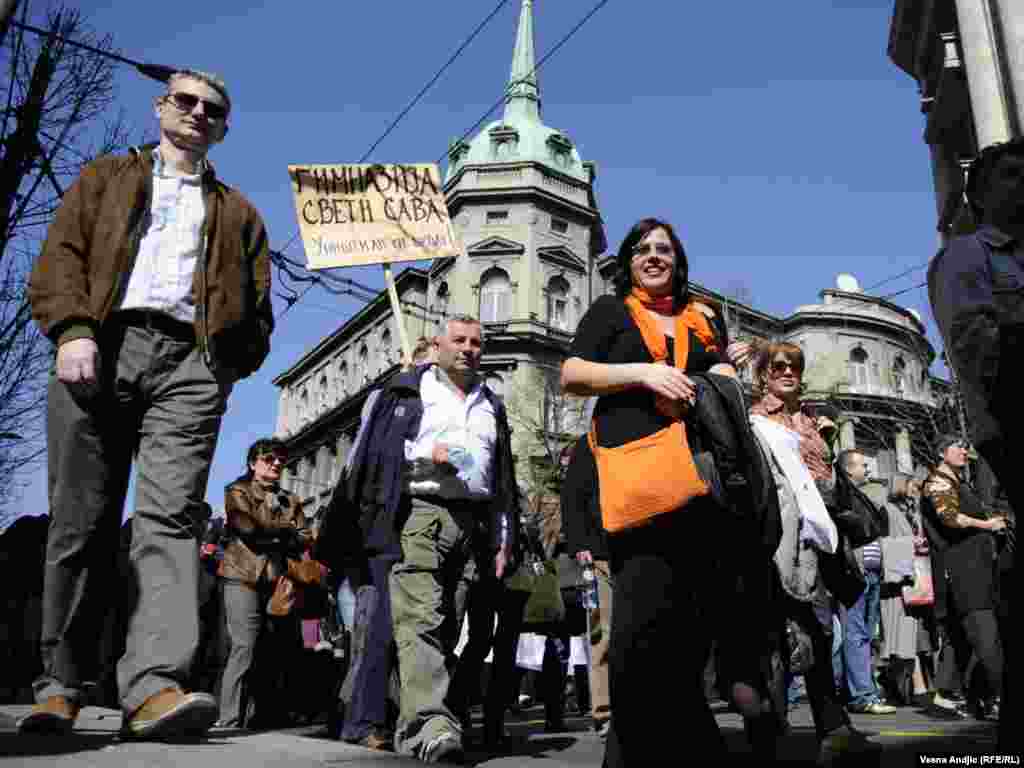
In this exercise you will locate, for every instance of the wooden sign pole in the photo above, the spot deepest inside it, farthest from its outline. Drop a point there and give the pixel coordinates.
(396, 308)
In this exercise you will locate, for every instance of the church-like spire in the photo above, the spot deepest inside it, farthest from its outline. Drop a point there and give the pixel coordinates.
(522, 97)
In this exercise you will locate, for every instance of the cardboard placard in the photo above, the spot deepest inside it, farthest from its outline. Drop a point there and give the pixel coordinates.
(353, 215)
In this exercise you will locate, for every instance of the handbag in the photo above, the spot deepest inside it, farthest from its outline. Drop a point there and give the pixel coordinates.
(922, 592)
(540, 578)
(655, 474)
(282, 599)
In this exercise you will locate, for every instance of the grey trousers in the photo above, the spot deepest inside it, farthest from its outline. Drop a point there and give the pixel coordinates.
(160, 402)
(436, 545)
(244, 610)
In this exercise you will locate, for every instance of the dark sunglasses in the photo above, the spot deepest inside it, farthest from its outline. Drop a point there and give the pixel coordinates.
(186, 102)
(662, 249)
(779, 367)
(274, 458)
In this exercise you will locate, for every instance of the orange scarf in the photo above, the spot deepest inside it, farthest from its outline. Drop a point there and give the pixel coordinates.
(690, 318)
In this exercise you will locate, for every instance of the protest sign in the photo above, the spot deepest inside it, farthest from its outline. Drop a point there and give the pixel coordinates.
(353, 215)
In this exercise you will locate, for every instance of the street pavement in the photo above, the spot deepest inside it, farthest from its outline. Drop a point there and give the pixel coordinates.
(904, 736)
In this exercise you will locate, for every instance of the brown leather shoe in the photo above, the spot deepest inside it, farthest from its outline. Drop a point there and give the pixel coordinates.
(171, 714)
(56, 715)
(377, 739)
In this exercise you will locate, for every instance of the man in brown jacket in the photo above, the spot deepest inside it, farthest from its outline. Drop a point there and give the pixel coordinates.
(153, 285)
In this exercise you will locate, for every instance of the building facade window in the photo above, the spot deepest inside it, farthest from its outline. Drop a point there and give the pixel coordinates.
(858, 368)
(558, 303)
(497, 217)
(495, 383)
(899, 377)
(386, 353)
(561, 226)
(362, 369)
(325, 393)
(495, 296)
(343, 378)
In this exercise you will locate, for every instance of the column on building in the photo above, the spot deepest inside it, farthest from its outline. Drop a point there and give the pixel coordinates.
(986, 60)
(847, 434)
(904, 457)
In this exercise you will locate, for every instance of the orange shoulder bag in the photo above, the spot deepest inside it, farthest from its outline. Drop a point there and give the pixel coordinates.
(655, 474)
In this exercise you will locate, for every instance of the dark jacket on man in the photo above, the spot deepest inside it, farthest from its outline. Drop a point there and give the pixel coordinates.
(93, 241)
(372, 488)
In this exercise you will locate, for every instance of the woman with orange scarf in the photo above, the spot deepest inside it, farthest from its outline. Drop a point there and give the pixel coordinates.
(635, 351)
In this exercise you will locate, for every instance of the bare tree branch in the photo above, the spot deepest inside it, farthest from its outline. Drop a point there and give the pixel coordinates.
(61, 112)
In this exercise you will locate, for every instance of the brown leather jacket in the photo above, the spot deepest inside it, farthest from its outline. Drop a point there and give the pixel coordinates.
(258, 526)
(94, 239)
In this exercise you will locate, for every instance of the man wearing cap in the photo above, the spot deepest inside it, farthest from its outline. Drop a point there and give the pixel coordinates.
(154, 285)
(976, 289)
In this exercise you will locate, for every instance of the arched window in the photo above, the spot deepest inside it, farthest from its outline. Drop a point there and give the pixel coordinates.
(362, 369)
(386, 352)
(343, 378)
(858, 367)
(899, 376)
(443, 294)
(495, 296)
(495, 383)
(325, 393)
(304, 406)
(558, 303)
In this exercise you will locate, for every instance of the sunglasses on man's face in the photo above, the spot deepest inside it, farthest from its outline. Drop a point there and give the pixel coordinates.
(186, 102)
(273, 458)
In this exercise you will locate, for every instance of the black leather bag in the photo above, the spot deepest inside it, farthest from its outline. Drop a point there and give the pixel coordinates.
(854, 514)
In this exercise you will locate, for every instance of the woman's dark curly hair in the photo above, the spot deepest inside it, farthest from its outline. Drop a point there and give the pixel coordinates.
(624, 260)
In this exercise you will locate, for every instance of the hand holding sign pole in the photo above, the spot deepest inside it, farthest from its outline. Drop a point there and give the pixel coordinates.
(354, 215)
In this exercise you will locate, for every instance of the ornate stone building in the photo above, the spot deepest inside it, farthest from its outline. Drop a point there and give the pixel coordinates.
(967, 57)
(523, 203)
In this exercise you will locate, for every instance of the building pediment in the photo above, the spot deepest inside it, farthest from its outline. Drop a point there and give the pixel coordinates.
(563, 257)
(496, 246)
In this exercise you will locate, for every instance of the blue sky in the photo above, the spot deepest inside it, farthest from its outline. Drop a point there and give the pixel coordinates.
(777, 137)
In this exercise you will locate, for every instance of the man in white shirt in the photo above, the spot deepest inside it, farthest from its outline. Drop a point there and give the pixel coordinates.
(435, 482)
(154, 285)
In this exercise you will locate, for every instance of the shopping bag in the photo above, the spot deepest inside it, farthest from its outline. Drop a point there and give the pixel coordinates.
(922, 592)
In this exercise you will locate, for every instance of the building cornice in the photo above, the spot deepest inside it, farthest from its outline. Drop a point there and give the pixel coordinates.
(366, 316)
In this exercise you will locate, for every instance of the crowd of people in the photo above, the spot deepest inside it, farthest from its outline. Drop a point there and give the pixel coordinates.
(696, 528)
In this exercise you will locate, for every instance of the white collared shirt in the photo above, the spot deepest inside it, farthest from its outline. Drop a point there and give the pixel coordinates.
(469, 429)
(162, 275)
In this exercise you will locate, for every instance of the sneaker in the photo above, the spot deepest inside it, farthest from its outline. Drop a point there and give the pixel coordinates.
(874, 708)
(443, 748)
(171, 714)
(55, 716)
(843, 742)
(602, 728)
(939, 712)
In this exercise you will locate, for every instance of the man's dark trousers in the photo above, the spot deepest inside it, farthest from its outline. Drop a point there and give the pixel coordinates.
(371, 672)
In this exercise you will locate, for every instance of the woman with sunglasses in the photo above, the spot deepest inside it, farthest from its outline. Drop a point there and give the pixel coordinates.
(264, 525)
(790, 436)
(663, 590)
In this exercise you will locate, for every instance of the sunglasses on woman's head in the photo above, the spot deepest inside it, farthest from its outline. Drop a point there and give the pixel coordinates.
(186, 102)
